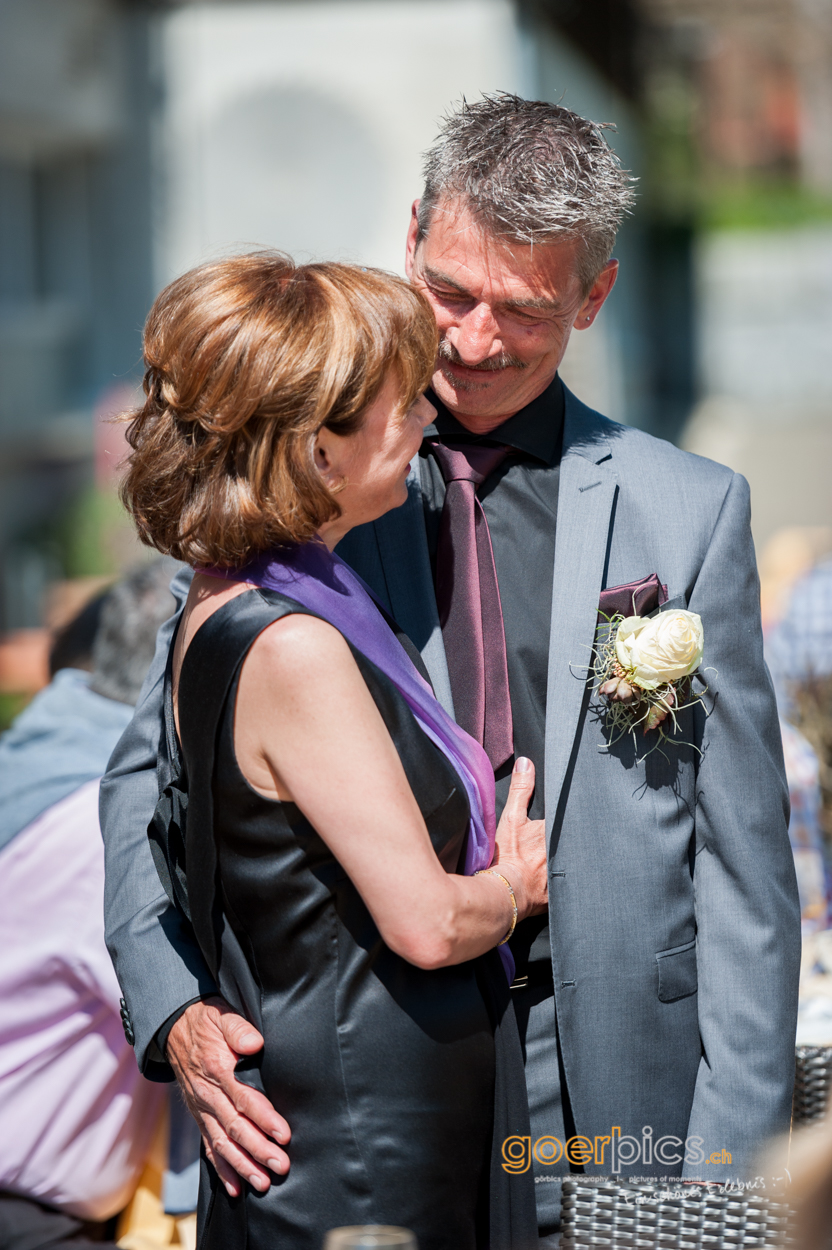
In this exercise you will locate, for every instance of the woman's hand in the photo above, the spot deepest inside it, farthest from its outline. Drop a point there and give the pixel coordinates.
(521, 845)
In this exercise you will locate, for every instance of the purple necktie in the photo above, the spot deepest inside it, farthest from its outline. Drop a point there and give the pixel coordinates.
(468, 599)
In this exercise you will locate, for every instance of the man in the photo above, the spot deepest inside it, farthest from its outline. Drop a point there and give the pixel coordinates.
(76, 1118)
(667, 872)
(799, 647)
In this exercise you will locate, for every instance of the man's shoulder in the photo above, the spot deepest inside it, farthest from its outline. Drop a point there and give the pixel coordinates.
(642, 458)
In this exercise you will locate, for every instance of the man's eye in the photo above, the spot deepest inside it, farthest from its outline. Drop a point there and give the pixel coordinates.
(534, 318)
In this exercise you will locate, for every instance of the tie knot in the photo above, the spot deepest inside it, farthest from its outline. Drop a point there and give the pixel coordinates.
(468, 462)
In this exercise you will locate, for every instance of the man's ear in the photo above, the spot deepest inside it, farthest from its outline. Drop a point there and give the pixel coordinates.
(596, 295)
(412, 236)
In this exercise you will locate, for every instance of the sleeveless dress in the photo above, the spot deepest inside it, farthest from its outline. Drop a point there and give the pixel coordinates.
(384, 1071)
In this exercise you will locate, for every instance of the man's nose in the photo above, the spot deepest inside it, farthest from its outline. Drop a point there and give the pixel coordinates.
(476, 336)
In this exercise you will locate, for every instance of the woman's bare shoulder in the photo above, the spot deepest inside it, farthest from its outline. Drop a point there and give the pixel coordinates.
(300, 649)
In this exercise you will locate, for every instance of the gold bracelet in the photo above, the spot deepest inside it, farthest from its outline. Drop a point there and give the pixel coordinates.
(508, 886)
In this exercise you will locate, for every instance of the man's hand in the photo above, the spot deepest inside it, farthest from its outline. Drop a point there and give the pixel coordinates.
(238, 1124)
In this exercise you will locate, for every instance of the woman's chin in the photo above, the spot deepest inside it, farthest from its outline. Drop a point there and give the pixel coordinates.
(393, 501)
(401, 494)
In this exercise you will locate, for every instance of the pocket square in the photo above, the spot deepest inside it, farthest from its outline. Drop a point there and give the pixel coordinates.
(634, 598)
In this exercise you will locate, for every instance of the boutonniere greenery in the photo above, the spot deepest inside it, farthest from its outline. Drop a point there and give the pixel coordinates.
(643, 667)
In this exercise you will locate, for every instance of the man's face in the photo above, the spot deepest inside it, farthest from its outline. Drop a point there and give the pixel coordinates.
(504, 310)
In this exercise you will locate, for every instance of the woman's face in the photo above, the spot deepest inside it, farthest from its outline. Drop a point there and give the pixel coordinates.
(371, 466)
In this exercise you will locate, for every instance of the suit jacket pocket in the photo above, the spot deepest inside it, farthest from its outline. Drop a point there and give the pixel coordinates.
(677, 972)
(678, 601)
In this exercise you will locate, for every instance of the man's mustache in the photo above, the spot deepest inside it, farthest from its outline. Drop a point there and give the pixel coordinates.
(447, 351)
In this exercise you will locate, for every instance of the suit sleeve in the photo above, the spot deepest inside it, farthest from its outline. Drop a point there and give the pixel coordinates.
(153, 948)
(747, 909)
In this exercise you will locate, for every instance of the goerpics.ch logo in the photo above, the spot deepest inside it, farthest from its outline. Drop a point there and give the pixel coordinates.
(612, 1150)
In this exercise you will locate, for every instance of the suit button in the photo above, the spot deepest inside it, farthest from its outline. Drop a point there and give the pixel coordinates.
(127, 1023)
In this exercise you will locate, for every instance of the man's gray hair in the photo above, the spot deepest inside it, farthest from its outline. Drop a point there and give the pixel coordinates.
(531, 172)
(126, 638)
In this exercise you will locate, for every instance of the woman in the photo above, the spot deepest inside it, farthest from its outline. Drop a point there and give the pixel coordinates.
(336, 814)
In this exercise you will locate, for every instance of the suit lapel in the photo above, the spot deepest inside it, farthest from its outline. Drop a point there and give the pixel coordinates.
(403, 549)
(586, 496)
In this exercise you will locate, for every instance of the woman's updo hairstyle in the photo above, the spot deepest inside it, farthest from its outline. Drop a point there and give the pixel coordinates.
(247, 358)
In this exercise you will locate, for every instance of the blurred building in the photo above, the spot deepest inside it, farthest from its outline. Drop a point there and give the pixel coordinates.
(75, 261)
(759, 77)
(138, 137)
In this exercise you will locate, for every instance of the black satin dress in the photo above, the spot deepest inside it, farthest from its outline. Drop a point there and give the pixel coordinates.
(384, 1071)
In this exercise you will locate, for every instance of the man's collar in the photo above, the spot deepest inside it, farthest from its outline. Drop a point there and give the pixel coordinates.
(535, 430)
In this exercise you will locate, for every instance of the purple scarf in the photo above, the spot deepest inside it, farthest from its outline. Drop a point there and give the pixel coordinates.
(320, 581)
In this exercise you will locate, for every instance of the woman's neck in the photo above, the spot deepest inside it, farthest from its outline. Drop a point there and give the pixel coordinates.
(331, 532)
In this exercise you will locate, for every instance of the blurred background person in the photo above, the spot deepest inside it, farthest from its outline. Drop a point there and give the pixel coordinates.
(799, 646)
(796, 570)
(805, 834)
(801, 1165)
(799, 654)
(76, 1118)
(64, 737)
(73, 642)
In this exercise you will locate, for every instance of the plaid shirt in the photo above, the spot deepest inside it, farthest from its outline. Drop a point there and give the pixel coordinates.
(800, 646)
(804, 828)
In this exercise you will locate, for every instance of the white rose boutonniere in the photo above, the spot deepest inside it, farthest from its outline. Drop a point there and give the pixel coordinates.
(661, 649)
(643, 667)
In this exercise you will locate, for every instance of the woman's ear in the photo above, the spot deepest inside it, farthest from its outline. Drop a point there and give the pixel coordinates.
(329, 454)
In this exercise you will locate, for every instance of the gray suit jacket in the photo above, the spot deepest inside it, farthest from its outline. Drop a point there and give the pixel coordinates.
(673, 903)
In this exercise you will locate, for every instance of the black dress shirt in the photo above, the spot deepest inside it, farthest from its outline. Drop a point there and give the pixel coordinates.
(520, 500)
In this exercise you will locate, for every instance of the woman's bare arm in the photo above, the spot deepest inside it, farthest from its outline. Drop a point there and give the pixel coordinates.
(308, 730)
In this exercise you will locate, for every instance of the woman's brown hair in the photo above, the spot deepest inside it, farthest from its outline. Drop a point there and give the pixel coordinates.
(247, 358)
